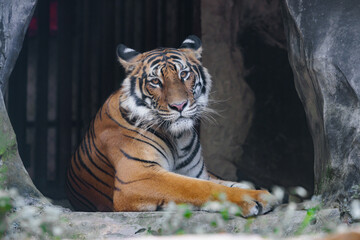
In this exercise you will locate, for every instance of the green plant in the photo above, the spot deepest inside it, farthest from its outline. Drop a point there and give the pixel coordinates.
(309, 217)
(176, 217)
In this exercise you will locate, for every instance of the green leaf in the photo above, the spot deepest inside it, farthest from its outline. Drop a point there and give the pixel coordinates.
(188, 213)
(225, 214)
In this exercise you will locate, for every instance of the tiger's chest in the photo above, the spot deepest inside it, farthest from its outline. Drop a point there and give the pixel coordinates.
(188, 158)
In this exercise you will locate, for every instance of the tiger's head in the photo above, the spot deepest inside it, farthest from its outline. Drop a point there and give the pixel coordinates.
(166, 87)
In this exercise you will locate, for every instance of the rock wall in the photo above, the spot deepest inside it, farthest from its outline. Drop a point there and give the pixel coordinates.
(232, 98)
(15, 16)
(261, 131)
(323, 43)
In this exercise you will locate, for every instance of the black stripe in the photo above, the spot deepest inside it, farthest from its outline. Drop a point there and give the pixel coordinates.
(92, 161)
(89, 171)
(189, 146)
(152, 58)
(138, 159)
(100, 112)
(163, 138)
(138, 101)
(190, 158)
(128, 182)
(72, 179)
(89, 185)
(84, 199)
(102, 160)
(154, 62)
(202, 75)
(75, 201)
(88, 136)
(141, 89)
(160, 205)
(103, 194)
(102, 157)
(74, 160)
(179, 62)
(79, 180)
(201, 170)
(129, 122)
(174, 52)
(215, 175)
(148, 144)
(175, 57)
(195, 164)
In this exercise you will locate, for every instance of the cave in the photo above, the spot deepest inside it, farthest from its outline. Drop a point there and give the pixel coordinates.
(278, 127)
(66, 71)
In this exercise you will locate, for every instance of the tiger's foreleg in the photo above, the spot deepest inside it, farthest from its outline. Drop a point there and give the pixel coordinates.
(154, 186)
(243, 185)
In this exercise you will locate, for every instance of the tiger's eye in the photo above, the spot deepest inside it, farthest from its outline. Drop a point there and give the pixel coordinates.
(155, 81)
(183, 74)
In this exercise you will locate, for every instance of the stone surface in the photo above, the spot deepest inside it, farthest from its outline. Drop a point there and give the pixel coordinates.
(323, 43)
(128, 224)
(222, 142)
(15, 16)
(14, 19)
(278, 149)
(12, 167)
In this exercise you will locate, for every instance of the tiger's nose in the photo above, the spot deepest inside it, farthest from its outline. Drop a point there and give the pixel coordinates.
(178, 106)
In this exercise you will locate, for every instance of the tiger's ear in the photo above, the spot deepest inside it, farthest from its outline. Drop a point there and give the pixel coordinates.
(193, 43)
(127, 57)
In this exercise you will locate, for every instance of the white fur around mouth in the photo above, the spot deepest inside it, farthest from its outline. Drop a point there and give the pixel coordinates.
(180, 125)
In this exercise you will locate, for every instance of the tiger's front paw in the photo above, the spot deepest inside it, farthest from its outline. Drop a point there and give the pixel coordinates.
(257, 202)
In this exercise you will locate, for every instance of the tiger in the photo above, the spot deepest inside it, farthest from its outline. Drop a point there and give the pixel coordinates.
(142, 150)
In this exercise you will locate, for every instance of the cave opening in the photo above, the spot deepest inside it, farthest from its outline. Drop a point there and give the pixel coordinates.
(278, 149)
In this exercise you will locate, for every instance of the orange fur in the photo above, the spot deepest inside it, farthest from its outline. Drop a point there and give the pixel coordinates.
(121, 166)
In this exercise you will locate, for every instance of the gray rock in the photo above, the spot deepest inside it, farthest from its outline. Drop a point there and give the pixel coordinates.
(130, 224)
(15, 16)
(323, 43)
(14, 19)
(234, 98)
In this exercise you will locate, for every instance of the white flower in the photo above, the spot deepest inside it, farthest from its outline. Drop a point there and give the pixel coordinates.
(57, 231)
(300, 191)
(213, 206)
(51, 214)
(35, 223)
(234, 209)
(171, 206)
(290, 210)
(27, 212)
(278, 192)
(13, 192)
(222, 197)
(355, 209)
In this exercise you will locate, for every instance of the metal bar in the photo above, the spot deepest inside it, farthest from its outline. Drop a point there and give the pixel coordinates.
(119, 38)
(150, 25)
(196, 18)
(80, 15)
(64, 79)
(129, 26)
(42, 96)
(108, 47)
(85, 86)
